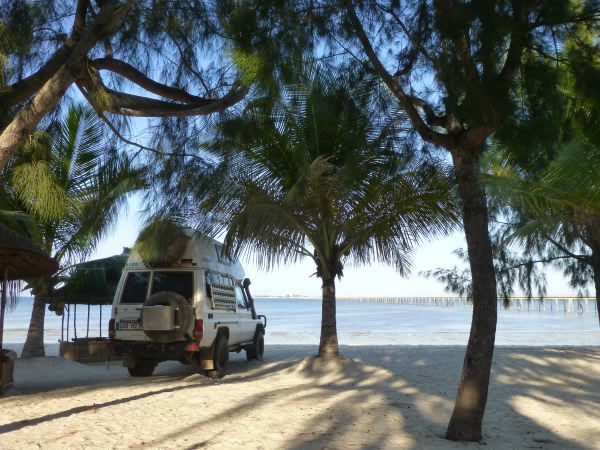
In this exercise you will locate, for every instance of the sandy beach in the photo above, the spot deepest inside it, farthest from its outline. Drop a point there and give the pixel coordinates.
(379, 397)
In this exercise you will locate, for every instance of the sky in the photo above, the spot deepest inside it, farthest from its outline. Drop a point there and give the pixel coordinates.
(375, 280)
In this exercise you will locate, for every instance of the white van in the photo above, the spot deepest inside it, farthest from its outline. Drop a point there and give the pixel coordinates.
(195, 310)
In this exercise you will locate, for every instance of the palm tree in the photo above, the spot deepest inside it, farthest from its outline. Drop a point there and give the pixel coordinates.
(72, 184)
(318, 175)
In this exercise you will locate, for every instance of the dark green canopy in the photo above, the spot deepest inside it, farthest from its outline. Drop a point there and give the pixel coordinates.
(92, 282)
(20, 258)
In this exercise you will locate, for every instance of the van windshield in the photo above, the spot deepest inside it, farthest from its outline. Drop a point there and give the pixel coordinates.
(180, 282)
(136, 287)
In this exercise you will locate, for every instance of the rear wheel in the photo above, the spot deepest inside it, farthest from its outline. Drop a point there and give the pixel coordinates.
(220, 358)
(143, 368)
(258, 348)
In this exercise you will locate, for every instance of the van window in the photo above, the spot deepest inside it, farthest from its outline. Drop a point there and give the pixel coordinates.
(180, 282)
(219, 288)
(240, 298)
(216, 278)
(136, 287)
(222, 257)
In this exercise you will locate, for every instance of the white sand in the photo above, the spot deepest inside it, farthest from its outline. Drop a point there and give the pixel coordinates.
(388, 397)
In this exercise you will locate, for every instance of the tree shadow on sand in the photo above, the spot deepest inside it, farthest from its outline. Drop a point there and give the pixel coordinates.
(402, 402)
(374, 407)
(404, 416)
(68, 379)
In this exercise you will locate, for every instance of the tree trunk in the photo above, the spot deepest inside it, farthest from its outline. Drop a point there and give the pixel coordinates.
(4, 286)
(34, 345)
(467, 416)
(596, 268)
(108, 20)
(328, 347)
(28, 118)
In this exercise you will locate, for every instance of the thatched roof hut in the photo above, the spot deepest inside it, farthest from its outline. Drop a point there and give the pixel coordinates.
(92, 282)
(20, 258)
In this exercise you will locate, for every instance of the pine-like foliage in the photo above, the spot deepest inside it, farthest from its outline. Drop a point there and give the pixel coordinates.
(551, 204)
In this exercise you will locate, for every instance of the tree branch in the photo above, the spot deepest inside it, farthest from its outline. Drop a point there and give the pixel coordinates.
(79, 22)
(515, 48)
(138, 106)
(416, 44)
(49, 94)
(25, 88)
(139, 78)
(117, 133)
(567, 251)
(427, 134)
(526, 263)
(430, 116)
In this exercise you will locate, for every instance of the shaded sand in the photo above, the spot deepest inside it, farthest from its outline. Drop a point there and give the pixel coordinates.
(387, 397)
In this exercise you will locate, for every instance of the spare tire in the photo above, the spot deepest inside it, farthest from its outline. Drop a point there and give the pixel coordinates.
(184, 316)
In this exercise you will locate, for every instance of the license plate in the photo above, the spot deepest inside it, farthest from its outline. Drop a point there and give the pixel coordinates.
(129, 325)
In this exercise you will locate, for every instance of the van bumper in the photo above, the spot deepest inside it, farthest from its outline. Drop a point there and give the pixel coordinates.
(177, 351)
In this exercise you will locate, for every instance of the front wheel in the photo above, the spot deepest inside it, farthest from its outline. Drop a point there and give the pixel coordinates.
(258, 348)
(220, 358)
(142, 369)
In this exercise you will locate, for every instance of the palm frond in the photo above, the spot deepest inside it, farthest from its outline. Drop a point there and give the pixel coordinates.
(318, 173)
(70, 181)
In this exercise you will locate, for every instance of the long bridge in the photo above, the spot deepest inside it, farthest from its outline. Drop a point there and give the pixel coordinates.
(564, 304)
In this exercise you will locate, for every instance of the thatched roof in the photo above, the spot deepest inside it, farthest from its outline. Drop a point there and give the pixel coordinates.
(22, 258)
(92, 282)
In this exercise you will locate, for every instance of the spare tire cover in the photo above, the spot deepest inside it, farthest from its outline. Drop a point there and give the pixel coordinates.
(184, 317)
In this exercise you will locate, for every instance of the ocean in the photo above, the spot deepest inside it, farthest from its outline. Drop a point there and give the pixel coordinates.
(297, 321)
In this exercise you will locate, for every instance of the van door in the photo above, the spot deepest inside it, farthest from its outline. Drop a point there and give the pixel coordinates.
(128, 309)
(221, 295)
(247, 326)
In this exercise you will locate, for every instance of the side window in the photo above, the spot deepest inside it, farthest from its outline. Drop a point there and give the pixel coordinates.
(210, 278)
(136, 287)
(240, 298)
(221, 256)
(217, 278)
(220, 290)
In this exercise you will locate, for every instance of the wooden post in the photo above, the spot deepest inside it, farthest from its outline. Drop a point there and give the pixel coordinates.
(3, 305)
(68, 320)
(75, 321)
(87, 329)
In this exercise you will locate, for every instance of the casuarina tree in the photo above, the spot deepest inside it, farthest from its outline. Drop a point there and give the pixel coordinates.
(545, 200)
(453, 68)
(129, 58)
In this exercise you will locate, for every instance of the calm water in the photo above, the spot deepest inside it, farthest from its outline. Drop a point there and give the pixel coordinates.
(297, 321)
